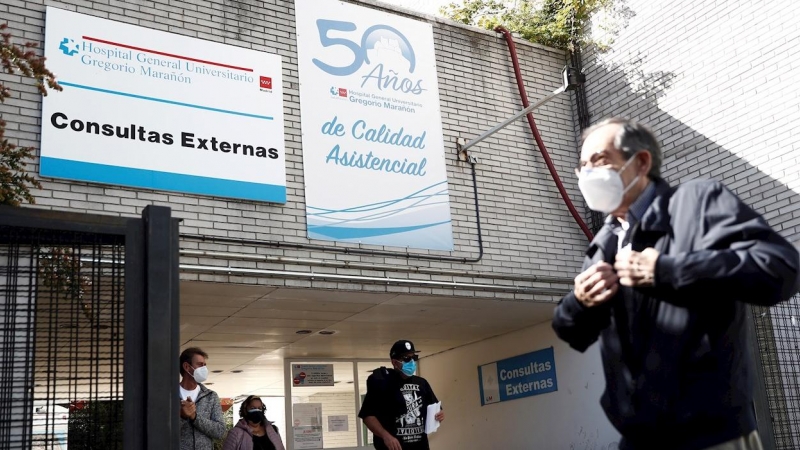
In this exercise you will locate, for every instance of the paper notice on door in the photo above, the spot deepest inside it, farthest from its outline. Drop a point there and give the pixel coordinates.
(307, 429)
(338, 423)
(431, 424)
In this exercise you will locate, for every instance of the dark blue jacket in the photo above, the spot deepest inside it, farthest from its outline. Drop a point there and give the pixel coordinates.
(675, 355)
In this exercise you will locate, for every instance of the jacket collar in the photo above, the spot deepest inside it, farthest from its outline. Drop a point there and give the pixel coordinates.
(603, 239)
(655, 218)
(203, 391)
(243, 425)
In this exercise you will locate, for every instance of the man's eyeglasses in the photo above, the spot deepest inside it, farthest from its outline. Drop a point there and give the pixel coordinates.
(409, 358)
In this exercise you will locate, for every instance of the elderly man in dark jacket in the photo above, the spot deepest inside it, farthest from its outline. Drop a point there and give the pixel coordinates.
(665, 286)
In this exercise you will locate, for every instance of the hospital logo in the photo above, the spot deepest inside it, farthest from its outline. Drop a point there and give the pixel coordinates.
(338, 92)
(68, 47)
(265, 84)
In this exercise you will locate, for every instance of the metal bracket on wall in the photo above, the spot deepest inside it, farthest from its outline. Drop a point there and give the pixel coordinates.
(462, 155)
(571, 78)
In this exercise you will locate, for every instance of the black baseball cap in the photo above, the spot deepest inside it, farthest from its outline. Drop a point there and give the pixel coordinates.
(400, 347)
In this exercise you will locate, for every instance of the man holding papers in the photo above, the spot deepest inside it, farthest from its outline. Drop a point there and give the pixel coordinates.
(396, 404)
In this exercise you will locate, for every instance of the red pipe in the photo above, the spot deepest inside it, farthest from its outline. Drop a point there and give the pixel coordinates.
(524, 96)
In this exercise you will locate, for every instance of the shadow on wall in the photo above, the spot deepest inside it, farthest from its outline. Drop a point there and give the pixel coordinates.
(687, 154)
(627, 90)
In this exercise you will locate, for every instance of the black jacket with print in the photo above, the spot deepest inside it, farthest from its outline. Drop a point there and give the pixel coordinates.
(675, 355)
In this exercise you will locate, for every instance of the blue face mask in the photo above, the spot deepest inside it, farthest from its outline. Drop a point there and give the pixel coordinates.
(409, 368)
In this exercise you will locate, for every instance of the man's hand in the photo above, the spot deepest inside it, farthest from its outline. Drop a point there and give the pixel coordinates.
(596, 285)
(188, 409)
(636, 269)
(439, 416)
(392, 443)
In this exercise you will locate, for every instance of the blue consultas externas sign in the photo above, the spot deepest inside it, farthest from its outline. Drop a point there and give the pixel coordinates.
(521, 376)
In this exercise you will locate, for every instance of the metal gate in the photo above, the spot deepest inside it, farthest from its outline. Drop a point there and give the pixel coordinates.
(777, 331)
(88, 330)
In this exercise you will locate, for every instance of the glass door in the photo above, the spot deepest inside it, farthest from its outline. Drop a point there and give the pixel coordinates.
(322, 403)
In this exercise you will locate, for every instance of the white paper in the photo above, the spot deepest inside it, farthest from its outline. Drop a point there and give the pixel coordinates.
(307, 429)
(338, 423)
(431, 424)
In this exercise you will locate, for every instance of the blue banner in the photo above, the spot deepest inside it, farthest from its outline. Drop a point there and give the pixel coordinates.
(521, 376)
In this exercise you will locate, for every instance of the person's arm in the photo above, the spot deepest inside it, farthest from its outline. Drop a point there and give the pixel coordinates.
(213, 426)
(583, 313)
(440, 415)
(377, 429)
(739, 255)
(374, 401)
(579, 325)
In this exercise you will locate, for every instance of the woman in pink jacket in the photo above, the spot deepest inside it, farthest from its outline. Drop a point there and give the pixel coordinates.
(254, 431)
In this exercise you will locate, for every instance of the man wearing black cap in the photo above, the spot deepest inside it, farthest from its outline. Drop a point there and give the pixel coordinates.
(397, 401)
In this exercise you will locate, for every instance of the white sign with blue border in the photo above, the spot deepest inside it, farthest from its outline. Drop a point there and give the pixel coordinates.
(150, 109)
(521, 376)
(373, 150)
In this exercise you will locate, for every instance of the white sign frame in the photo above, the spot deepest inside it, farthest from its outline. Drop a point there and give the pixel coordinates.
(156, 110)
(312, 375)
(373, 151)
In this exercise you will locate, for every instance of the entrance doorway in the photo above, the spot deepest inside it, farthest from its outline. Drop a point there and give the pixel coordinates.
(261, 338)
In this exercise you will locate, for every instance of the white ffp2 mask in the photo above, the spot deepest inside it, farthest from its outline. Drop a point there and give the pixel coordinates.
(200, 374)
(602, 187)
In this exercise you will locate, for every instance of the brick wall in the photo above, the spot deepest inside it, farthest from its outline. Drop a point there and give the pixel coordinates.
(717, 82)
(526, 228)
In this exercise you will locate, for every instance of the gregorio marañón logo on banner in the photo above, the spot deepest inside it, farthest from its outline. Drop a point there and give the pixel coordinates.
(382, 57)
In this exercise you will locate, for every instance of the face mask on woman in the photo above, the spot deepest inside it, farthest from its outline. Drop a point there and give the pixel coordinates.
(255, 415)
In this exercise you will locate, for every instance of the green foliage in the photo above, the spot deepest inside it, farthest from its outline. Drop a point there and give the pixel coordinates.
(14, 180)
(15, 59)
(95, 425)
(60, 270)
(556, 23)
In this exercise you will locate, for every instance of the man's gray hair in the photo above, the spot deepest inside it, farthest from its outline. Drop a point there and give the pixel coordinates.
(631, 139)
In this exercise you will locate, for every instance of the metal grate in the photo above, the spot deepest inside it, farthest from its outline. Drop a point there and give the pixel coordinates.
(778, 334)
(61, 339)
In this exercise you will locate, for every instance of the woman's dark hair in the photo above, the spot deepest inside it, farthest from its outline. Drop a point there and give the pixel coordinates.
(246, 405)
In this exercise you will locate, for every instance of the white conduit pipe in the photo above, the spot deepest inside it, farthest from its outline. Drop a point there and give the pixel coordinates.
(352, 265)
(372, 280)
